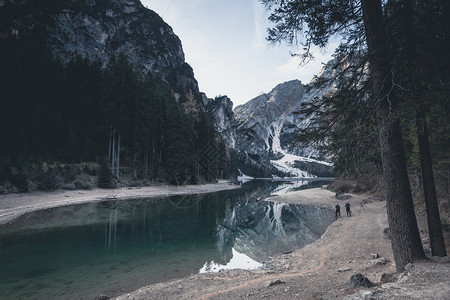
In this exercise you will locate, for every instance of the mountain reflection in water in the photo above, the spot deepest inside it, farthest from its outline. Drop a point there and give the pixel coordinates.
(264, 229)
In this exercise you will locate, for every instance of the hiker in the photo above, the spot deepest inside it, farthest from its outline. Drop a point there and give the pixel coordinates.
(338, 211)
(362, 206)
(347, 208)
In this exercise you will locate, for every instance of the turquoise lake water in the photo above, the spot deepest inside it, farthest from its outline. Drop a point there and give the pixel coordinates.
(114, 247)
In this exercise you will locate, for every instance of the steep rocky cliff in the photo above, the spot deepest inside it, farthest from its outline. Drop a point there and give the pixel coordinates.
(99, 30)
(224, 118)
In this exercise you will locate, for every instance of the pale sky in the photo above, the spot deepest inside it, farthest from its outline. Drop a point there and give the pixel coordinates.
(224, 42)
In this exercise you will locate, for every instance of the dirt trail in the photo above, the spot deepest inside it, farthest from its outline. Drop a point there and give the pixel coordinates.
(320, 270)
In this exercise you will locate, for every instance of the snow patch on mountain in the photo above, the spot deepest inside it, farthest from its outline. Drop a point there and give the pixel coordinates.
(261, 131)
(266, 125)
(242, 178)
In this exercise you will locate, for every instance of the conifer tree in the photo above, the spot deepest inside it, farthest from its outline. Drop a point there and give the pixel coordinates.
(362, 24)
(104, 174)
(408, 14)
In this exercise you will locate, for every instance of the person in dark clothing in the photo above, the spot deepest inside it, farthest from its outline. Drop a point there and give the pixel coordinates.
(347, 208)
(338, 211)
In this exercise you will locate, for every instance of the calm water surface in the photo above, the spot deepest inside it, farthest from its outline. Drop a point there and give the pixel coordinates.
(113, 247)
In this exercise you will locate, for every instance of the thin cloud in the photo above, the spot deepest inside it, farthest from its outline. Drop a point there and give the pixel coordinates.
(259, 22)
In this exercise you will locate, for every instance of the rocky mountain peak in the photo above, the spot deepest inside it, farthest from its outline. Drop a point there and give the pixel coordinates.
(278, 101)
(221, 108)
(101, 30)
(263, 129)
(97, 30)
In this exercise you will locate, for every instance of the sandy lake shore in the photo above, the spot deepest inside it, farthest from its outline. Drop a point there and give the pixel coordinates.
(14, 205)
(321, 270)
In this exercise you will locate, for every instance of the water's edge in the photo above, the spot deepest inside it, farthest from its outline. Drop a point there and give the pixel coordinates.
(208, 228)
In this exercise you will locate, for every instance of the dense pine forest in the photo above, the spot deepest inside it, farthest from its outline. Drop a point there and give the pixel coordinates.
(82, 111)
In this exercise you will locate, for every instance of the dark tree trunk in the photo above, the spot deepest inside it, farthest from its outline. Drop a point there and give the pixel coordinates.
(113, 157)
(405, 238)
(431, 203)
(146, 153)
(118, 157)
(426, 164)
(110, 143)
(135, 164)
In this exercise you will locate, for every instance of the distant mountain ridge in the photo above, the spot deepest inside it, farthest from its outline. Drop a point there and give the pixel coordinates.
(261, 131)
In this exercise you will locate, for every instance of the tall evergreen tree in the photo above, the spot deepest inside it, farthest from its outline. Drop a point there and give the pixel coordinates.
(405, 239)
(408, 13)
(362, 24)
(104, 174)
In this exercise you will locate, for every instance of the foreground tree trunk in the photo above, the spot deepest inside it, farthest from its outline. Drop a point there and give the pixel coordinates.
(405, 238)
(431, 203)
(426, 164)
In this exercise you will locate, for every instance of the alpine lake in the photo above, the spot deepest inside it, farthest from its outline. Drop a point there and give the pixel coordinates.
(116, 246)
